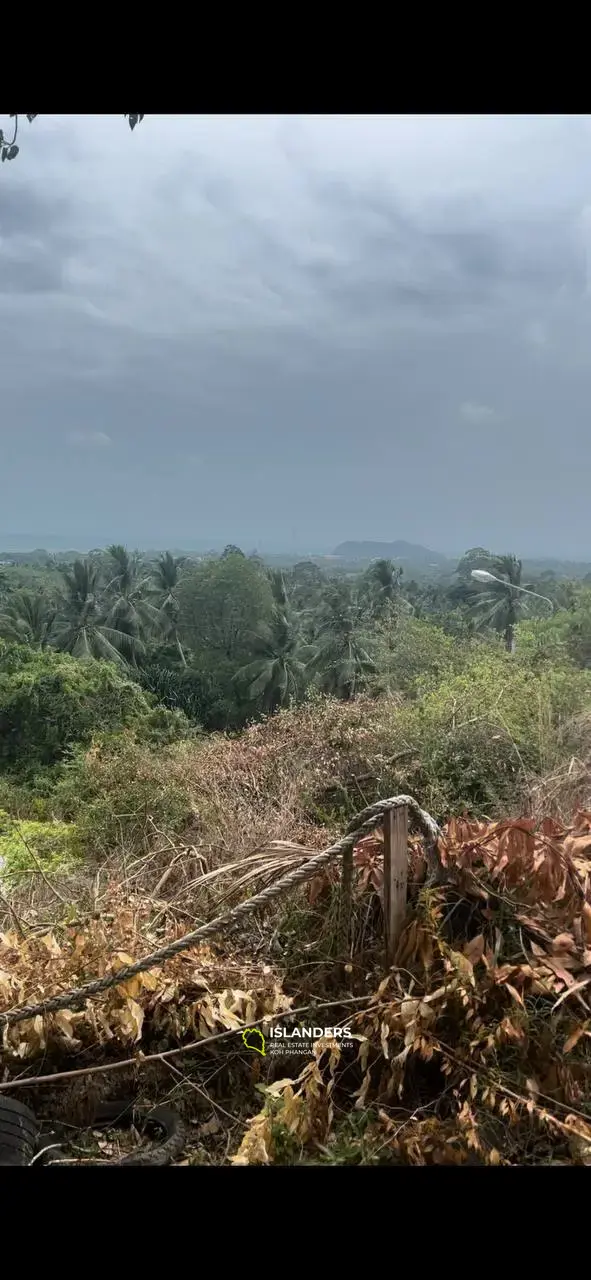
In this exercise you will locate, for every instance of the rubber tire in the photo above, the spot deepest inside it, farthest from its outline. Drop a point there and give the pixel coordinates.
(19, 1132)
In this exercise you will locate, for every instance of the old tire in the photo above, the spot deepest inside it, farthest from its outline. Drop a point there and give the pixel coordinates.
(19, 1132)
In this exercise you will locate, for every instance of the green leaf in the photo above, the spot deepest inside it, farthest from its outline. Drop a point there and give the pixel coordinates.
(13, 152)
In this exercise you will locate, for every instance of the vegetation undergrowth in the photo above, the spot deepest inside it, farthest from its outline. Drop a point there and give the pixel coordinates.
(174, 737)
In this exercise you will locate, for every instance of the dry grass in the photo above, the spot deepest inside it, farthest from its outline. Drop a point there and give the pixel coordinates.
(474, 1048)
(567, 787)
(433, 1080)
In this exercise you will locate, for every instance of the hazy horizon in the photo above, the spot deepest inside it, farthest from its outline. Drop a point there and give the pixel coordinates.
(288, 332)
(54, 544)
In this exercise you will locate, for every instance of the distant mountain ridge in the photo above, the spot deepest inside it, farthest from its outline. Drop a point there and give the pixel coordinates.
(399, 551)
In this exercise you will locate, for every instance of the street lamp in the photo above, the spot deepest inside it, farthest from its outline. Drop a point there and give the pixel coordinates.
(483, 575)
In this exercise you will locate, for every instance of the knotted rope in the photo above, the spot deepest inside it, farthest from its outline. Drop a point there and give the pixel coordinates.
(361, 825)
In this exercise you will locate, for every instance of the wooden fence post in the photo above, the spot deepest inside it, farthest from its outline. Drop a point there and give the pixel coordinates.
(395, 876)
(346, 903)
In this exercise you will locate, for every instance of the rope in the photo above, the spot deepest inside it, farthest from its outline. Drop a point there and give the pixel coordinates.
(361, 825)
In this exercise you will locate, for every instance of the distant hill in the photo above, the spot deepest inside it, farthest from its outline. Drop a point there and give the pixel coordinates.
(399, 551)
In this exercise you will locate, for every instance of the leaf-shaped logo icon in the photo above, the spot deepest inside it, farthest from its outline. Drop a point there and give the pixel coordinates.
(254, 1039)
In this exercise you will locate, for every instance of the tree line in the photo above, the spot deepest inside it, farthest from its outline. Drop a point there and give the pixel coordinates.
(226, 638)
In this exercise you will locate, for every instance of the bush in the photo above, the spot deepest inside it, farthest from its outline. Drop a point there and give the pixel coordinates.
(203, 691)
(564, 638)
(473, 743)
(411, 653)
(480, 736)
(24, 844)
(111, 791)
(50, 701)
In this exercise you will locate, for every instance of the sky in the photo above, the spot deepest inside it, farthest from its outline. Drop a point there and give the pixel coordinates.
(288, 331)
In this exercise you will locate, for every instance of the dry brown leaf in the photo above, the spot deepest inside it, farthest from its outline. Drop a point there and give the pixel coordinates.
(257, 1143)
(577, 846)
(462, 966)
(49, 941)
(560, 968)
(408, 1011)
(474, 950)
(210, 1127)
(64, 1021)
(131, 1019)
(362, 1092)
(7, 984)
(150, 980)
(575, 1036)
(10, 940)
(564, 942)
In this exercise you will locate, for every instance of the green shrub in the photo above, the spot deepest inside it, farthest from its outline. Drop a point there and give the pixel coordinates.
(110, 791)
(474, 742)
(411, 653)
(563, 637)
(478, 737)
(50, 701)
(25, 844)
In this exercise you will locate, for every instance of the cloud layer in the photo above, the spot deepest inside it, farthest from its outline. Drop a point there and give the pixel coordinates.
(291, 331)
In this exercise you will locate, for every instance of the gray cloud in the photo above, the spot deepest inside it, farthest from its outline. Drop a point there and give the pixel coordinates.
(478, 415)
(319, 313)
(89, 439)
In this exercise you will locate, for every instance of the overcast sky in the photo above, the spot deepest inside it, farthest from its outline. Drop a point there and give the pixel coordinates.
(289, 331)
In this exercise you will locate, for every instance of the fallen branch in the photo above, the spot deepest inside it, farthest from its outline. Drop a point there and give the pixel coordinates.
(32, 1081)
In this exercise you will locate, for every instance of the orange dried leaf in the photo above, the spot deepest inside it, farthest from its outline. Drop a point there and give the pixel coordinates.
(474, 950)
(574, 1038)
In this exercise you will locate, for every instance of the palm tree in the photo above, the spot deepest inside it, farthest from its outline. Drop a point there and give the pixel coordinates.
(384, 580)
(129, 610)
(340, 656)
(498, 604)
(28, 617)
(166, 574)
(276, 674)
(82, 627)
(383, 588)
(278, 588)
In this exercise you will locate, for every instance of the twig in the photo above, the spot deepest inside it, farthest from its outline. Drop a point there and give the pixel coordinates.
(204, 1094)
(165, 877)
(18, 923)
(475, 1067)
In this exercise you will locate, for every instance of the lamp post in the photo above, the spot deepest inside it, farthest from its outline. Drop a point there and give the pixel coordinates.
(483, 575)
